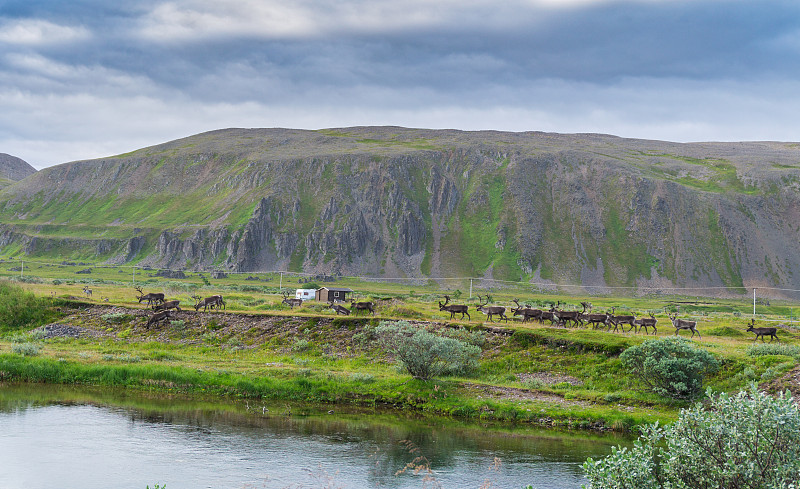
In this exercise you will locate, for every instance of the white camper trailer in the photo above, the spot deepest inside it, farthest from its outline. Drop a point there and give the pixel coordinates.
(305, 294)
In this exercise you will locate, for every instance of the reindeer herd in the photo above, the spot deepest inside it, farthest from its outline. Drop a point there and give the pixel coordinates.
(559, 317)
(555, 316)
(162, 308)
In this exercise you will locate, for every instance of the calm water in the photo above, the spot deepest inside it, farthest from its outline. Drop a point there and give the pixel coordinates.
(59, 437)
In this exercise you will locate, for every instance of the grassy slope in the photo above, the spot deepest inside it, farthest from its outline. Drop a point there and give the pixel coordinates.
(273, 353)
(219, 177)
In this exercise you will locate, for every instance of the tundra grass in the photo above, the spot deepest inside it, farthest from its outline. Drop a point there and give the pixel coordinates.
(209, 357)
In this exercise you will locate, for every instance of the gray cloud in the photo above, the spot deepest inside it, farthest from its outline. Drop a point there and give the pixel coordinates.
(88, 79)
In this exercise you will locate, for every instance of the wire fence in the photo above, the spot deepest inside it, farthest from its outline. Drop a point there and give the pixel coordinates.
(760, 294)
(676, 296)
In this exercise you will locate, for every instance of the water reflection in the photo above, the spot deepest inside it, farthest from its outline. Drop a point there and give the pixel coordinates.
(54, 436)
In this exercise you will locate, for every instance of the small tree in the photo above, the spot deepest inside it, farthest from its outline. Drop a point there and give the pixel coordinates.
(671, 367)
(423, 354)
(749, 440)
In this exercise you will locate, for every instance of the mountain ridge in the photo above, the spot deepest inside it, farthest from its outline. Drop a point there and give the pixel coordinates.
(591, 209)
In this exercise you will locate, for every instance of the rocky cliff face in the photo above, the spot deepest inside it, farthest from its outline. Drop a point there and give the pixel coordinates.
(589, 209)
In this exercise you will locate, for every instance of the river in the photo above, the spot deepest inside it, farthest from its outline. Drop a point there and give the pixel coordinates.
(83, 438)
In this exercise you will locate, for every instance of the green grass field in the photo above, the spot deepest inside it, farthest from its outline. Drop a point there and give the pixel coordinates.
(260, 348)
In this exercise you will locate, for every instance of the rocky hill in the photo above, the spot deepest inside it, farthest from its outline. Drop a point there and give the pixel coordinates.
(13, 169)
(389, 201)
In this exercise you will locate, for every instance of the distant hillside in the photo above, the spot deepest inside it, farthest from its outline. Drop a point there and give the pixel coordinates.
(390, 201)
(13, 169)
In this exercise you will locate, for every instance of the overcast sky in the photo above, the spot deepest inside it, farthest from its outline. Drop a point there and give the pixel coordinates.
(83, 79)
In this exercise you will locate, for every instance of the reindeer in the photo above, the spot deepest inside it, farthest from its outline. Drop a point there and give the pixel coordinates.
(87, 291)
(214, 300)
(339, 309)
(761, 332)
(567, 316)
(619, 321)
(526, 312)
(646, 323)
(684, 324)
(491, 310)
(157, 317)
(595, 319)
(453, 309)
(152, 297)
(291, 302)
(362, 306)
(166, 306)
(549, 316)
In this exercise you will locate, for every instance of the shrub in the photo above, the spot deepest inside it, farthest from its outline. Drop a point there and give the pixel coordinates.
(425, 355)
(770, 349)
(26, 349)
(361, 377)
(671, 367)
(117, 317)
(747, 440)
(301, 345)
(19, 308)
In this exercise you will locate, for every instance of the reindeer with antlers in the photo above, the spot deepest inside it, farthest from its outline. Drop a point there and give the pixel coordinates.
(684, 324)
(291, 302)
(646, 323)
(362, 306)
(87, 291)
(157, 317)
(620, 321)
(151, 298)
(213, 301)
(339, 309)
(761, 332)
(167, 305)
(564, 317)
(454, 309)
(491, 310)
(526, 312)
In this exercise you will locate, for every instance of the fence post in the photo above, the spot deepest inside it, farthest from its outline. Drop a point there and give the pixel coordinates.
(280, 286)
(22, 270)
(754, 302)
(470, 289)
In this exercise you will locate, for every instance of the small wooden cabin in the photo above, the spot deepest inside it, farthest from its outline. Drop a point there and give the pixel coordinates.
(335, 294)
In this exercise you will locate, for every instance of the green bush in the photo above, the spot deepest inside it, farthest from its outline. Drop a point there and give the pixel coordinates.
(301, 345)
(19, 308)
(773, 349)
(425, 355)
(117, 317)
(361, 377)
(749, 440)
(671, 367)
(26, 349)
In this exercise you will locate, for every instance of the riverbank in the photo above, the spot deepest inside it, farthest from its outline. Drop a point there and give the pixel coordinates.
(553, 377)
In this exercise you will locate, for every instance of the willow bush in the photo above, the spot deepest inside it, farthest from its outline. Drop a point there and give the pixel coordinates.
(671, 367)
(19, 309)
(424, 354)
(747, 440)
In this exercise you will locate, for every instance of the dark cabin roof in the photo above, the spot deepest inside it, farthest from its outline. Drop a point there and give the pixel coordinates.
(337, 289)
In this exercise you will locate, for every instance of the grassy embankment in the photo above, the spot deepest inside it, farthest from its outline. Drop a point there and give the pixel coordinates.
(261, 350)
